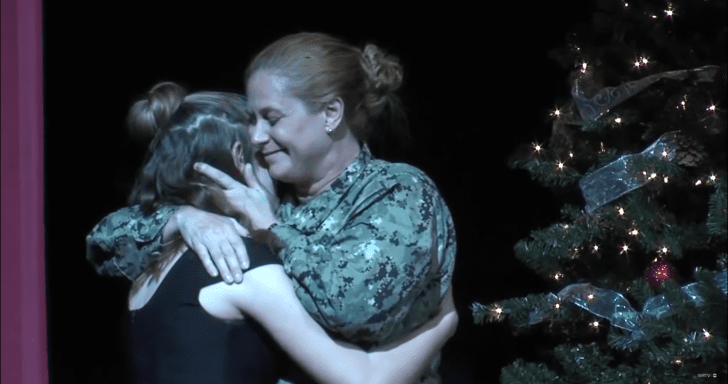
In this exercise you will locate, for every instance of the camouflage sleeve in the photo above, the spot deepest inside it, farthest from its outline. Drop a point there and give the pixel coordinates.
(123, 243)
(361, 280)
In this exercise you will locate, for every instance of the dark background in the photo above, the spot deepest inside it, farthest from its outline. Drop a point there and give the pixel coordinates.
(478, 82)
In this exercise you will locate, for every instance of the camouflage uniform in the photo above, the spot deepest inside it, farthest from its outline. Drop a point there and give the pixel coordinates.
(370, 258)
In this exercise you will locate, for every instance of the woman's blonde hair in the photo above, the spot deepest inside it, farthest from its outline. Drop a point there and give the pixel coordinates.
(320, 67)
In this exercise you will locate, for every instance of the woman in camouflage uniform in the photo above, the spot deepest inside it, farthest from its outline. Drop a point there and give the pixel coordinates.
(369, 245)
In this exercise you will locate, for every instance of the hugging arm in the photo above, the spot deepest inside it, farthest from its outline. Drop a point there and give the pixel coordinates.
(126, 241)
(267, 295)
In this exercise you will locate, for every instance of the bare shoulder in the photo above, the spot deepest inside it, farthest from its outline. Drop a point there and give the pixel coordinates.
(226, 301)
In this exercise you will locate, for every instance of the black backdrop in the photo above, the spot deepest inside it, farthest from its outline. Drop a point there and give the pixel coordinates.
(477, 82)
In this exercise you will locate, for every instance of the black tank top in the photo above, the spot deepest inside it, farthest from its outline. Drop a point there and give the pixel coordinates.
(174, 340)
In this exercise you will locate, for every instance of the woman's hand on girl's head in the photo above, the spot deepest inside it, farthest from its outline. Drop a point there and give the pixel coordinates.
(216, 240)
(252, 203)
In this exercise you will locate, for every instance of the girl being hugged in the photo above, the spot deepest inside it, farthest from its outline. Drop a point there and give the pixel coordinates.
(189, 327)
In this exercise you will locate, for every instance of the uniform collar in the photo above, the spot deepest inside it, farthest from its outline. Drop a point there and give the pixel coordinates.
(309, 216)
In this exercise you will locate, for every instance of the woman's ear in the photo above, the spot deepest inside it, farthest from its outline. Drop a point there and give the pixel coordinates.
(238, 158)
(334, 113)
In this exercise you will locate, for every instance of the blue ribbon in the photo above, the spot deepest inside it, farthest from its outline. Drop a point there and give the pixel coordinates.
(616, 179)
(616, 308)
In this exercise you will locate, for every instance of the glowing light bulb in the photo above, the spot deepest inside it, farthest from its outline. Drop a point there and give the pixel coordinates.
(706, 334)
(625, 249)
(595, 324)
(621, 211)
(664, 153)
(665, 180)
(591, 296)
(713, 177)
(634, 232)
(537, 147)
(698, 182)
(560, 165)
(711, 108)
(618, 120)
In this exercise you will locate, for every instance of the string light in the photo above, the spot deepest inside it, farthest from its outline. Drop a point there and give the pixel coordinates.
(558, 276)
(698, 182)
(642, 61)
(706, 334)
(634, 232)
(665, 180)
(618, 120)
(664, 250)
(560, 165)
(556, 113)
(591, 296)
(595, 324)
(713, 178)
(664, 153)
(583, 67)
(711, 108)
(575, 252)
(620, 210)
(625, 249)
(537, 147)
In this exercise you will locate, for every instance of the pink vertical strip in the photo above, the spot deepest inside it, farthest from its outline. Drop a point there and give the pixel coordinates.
(24, 341)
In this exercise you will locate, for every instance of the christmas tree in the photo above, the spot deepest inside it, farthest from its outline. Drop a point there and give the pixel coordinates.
(638, 156)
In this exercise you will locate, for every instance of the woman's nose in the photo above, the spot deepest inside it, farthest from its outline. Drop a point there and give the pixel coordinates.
(259, 133)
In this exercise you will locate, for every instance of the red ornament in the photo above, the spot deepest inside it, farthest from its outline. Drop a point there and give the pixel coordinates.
(659, 272)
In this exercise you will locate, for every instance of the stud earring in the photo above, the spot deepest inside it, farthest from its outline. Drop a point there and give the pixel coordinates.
(327, 127)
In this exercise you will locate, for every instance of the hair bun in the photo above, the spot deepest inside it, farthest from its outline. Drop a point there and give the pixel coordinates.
(384, 76)
(148, 116)
(384, 71)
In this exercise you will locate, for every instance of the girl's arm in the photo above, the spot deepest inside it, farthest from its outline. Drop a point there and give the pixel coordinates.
(267, 295)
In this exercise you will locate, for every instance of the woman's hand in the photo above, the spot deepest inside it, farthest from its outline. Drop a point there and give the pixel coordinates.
(252, 203)
(215, 239)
